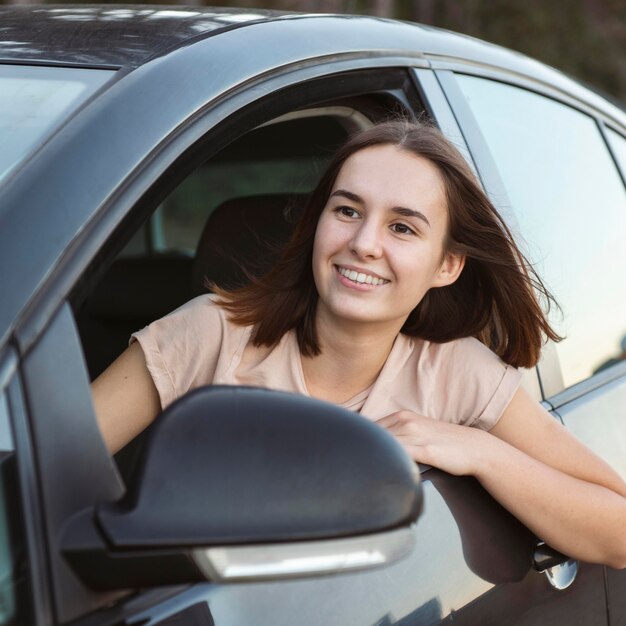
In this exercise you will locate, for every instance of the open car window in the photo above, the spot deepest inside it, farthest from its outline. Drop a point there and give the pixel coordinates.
(235, 210)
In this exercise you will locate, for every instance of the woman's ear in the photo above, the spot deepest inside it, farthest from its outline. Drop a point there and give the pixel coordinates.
(449, 270)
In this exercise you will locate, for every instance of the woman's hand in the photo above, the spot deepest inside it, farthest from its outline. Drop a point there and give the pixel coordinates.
(450, 447)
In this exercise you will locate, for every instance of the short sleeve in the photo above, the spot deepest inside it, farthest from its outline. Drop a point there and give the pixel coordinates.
(183, 349)
(494, 382)
(479, 386)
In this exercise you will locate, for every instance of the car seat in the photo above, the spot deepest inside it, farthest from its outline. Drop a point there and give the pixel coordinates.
(243, 237)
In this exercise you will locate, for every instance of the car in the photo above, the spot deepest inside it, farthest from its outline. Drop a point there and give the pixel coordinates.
(148, 148)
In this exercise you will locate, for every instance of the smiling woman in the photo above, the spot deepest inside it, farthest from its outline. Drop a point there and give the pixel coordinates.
(399, 281)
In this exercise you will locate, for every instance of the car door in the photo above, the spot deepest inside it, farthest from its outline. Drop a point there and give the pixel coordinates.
(557, 166)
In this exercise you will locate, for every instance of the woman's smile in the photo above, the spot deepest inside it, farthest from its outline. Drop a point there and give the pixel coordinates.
(359, 278)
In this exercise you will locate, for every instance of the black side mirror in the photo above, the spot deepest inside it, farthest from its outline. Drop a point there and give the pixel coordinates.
(245, 483)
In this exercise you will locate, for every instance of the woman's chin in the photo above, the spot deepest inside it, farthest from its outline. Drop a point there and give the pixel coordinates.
(363, 316)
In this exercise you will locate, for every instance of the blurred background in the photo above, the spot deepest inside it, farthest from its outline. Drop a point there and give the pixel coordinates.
(585, 38)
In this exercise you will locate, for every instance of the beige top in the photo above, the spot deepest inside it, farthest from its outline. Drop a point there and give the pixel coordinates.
(461, 381)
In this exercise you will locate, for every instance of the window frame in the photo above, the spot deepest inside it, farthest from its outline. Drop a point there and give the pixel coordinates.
(604, 128)
(94, 247)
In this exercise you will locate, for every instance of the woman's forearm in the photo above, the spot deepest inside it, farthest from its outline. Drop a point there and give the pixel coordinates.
(552, 483)
(581, 519)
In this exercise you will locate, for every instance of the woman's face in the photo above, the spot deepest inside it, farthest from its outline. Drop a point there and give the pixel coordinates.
(379, 240)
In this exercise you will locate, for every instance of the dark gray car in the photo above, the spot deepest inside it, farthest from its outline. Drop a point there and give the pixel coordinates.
(147, 148)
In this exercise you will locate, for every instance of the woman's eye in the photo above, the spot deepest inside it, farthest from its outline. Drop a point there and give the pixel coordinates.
(346, 211)
(402, 229)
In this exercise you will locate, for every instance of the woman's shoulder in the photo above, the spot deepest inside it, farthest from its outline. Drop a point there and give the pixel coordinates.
(202, 320)
(204, 303)
(187, 347)
(202, 310)
(469, 383)
(471, 348)
(456, 351)
(465, 358)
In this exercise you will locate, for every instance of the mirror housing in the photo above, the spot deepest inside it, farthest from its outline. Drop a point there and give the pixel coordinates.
(239, 483)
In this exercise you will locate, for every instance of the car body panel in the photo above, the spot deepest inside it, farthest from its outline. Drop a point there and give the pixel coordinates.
(598, 419)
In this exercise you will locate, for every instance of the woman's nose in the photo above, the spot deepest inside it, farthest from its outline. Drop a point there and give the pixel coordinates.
(367, 241)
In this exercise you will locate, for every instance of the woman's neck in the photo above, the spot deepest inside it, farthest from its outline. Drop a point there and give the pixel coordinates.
(350, 360)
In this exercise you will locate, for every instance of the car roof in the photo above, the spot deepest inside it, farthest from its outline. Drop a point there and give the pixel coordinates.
(109, 35)
(119, 35)
(128, 36)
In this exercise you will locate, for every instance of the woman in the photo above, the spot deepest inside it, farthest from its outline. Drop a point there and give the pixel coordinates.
(403, 296)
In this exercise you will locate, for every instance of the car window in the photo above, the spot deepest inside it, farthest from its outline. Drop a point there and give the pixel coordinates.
(13, 580)
(33, 100)
(571, 205)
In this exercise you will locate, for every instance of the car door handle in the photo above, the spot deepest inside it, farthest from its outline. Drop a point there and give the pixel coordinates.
(560, 570)
(546, 557)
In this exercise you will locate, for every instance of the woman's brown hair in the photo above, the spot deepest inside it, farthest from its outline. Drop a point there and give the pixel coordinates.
(495, 299)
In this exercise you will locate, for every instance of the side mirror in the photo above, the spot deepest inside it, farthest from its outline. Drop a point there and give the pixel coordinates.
(247, 484)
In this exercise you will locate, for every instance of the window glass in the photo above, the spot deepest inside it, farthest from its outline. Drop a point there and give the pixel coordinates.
(571, 206)
(33, 100)
(13, 581)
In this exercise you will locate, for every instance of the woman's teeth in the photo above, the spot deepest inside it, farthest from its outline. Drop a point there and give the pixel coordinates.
(360, 277)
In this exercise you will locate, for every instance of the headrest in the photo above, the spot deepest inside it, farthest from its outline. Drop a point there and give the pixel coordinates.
(244, 235)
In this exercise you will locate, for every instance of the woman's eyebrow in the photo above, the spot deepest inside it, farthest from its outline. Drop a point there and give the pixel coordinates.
(400, 210)
(347, 194)
(410, 213)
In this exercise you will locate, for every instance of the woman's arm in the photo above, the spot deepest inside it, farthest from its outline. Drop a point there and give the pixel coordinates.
(535, 468)
(125, 398)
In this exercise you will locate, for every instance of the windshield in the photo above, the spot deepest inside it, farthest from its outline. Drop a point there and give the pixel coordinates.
(34, 100)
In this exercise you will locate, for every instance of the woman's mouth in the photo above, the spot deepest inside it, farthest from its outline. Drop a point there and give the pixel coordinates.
(359, 278)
